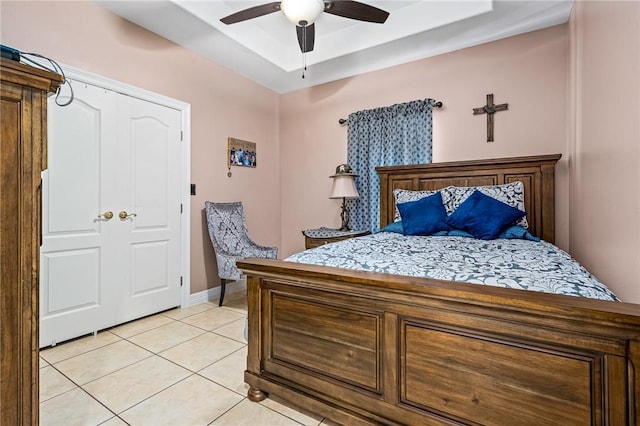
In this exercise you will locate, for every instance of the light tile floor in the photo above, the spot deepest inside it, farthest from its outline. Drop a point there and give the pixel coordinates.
(181, 367)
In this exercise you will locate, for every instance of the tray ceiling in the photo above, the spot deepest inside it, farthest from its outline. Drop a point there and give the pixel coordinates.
(266, 50)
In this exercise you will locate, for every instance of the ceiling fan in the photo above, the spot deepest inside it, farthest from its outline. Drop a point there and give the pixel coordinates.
(303, 13)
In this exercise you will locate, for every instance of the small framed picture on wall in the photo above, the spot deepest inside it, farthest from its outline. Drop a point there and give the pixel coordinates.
(241, 153)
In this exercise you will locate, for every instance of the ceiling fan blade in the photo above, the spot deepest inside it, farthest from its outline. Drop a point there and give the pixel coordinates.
(306, 37)
(252, 12)
(356, 10)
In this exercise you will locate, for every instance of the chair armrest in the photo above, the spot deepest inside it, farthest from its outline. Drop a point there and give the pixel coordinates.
(249, 249)
(263, 251)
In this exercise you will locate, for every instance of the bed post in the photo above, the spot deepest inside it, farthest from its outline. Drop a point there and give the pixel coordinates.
(384, 200)
(633, 363)
(254, 333)
(548, 204)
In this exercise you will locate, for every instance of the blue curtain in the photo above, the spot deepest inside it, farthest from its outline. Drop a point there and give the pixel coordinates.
(388, 136)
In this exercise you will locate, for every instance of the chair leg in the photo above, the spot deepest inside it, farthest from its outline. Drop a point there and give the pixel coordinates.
(223, 285)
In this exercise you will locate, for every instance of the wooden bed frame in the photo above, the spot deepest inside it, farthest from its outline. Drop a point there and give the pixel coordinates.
(370, 348)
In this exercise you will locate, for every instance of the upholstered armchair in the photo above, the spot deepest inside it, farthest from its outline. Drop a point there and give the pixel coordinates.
(230, 240)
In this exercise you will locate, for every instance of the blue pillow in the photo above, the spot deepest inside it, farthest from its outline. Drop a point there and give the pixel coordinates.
(517, 232)
(514, 232)
(424, 217)
(459, 233)
(483, 217)
(394, 227)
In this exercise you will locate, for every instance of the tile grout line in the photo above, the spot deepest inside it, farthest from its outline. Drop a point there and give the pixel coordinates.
(83, 390)
(154, 394)
(81, 353)
(213, 381)
(226, 411)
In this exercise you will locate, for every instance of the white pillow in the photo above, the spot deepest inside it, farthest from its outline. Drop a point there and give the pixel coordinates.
(509, 193)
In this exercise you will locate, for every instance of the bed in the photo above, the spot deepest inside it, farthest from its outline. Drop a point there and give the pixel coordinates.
(363, 347)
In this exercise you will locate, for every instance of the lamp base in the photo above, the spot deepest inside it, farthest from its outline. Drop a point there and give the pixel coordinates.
(344, 215)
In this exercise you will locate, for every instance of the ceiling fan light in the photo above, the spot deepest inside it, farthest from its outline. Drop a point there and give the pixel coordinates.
(297, 11)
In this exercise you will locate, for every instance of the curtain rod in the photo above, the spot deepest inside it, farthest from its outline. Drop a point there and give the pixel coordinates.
(344, 121)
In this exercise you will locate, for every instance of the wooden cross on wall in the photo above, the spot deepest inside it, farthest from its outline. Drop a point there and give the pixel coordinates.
(490, 109)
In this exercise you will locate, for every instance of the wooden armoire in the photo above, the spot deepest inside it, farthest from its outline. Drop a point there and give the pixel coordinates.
(23, 155)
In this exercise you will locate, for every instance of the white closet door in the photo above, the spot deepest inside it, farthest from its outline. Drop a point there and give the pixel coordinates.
(109, 153)
(77, 272)
(149, 193)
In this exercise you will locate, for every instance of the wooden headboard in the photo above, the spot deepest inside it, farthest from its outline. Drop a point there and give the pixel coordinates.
(536, 173)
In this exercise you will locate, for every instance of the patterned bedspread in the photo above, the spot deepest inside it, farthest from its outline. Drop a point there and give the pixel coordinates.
(521, 264)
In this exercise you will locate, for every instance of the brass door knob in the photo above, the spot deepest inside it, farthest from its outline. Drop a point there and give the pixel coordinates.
(124, 215)
(107, 215)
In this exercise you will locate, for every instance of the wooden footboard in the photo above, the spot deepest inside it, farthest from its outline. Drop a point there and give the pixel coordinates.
(367, 348)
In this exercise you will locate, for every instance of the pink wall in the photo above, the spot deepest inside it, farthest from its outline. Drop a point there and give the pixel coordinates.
(605, 142)
(528, 71)
(223, 104)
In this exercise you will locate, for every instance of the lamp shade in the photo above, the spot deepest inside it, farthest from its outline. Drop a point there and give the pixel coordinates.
(302, 12)
(344, 186)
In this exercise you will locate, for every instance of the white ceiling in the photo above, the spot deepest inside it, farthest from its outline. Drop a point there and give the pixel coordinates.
(265, 49)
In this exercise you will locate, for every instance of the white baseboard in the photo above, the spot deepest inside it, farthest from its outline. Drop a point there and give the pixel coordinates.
(214, 293)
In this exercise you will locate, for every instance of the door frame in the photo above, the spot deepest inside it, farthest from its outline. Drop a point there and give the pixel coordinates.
(80, 76)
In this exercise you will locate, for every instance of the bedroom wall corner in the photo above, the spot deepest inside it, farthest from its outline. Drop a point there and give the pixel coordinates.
(604, 206)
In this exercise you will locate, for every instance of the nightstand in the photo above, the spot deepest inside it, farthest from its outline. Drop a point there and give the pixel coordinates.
(320, 236)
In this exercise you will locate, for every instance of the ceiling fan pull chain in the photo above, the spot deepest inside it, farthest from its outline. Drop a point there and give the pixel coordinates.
(304, 49)
(304, 63)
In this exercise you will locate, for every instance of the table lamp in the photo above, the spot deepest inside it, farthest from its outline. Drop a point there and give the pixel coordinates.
(344, 186)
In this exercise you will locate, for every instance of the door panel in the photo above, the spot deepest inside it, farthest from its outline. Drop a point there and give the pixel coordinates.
(109, 153)
(74, 202)
(77, 283)
(146, 280)
(150, 143)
